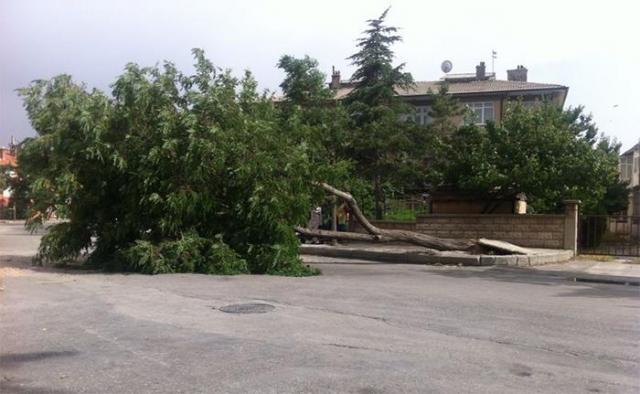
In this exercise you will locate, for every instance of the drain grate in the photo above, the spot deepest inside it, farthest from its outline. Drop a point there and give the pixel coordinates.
(248, 308)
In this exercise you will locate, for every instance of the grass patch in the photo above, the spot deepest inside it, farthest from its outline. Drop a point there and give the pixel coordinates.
(596, 257)
(400, 214)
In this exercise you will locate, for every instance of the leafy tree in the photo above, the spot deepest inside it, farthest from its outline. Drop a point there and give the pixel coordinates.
(169, 173)
(445, 113)
(304, 84)
(321, 122)
(382, 143)
(547, 153)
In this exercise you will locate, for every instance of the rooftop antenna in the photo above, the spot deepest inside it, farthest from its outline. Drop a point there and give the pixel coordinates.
(494, 56)
(446, 66)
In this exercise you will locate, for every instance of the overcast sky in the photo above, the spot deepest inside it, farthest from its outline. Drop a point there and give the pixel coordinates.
(590, 47)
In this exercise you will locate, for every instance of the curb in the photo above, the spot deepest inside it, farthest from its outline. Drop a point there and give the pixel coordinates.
(413, 257)
(604, 279)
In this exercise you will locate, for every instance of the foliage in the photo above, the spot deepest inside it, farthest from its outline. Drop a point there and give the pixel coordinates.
(384, 148)
(304, 84)
(318, 121)
(322, 123)
(446, 113)
(169, 173)
(376, 79)
(547, 153)
(400, 214)
(190, 253)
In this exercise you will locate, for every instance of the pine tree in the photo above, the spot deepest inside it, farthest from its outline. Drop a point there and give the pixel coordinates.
(380, 140)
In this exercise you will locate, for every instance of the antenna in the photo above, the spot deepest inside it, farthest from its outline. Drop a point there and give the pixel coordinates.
(494, 56)
(446, 66)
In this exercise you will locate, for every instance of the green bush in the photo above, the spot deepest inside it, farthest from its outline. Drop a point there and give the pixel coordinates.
(188, 254)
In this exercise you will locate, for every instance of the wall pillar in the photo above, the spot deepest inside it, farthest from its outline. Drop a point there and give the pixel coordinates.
(571, 218)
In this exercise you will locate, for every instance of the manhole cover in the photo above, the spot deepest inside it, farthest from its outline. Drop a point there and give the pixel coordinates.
(248, 308)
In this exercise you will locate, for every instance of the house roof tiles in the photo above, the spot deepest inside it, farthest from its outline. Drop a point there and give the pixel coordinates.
(422, 88)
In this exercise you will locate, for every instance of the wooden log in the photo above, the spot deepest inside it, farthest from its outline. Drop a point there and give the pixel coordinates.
(349, 236)
(382, 235)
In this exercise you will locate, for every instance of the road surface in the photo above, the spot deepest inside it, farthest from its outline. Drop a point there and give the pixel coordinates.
(358, 328)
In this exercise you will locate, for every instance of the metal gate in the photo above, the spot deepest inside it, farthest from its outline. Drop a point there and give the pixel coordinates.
(609, 235)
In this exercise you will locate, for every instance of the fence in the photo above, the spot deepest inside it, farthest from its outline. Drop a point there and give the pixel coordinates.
(7, 213)
(609, 235)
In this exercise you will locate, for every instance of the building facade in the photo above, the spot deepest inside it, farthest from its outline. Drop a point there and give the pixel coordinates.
(484, 95)
(630, 172)
(7, 159)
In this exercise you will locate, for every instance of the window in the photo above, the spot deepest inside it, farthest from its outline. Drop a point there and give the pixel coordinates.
(626, 167)
(422, 115)
(419, 116)
(481, 113)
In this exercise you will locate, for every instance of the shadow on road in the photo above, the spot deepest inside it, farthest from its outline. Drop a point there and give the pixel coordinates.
(531, 277)
(12, 360)
(26, 263)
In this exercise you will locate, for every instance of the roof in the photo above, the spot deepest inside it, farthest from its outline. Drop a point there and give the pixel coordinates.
(634, 148)
(423, 88)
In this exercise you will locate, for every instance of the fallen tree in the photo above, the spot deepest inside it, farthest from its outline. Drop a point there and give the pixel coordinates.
(374, 234)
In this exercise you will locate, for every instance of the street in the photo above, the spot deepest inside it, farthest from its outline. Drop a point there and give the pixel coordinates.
(359, 327)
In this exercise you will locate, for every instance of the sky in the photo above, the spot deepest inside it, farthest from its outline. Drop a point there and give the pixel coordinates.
(592, 47)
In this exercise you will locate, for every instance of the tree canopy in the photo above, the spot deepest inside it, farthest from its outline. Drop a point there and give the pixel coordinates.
(169, 173)
(384, 146)
(548, 153)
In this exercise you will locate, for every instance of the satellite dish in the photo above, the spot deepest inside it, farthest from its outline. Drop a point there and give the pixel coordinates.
(446, 66)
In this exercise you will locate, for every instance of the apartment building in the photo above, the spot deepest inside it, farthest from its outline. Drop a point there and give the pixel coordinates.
(481, 92)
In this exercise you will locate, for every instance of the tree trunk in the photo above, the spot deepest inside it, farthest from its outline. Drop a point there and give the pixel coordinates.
(334, 218)
(349, 236)
(378, 195)
(377, 234)
(433, 244)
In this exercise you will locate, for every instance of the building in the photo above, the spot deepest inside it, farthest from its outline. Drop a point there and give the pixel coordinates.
(481, 92)
(630, 172)
(7, 159)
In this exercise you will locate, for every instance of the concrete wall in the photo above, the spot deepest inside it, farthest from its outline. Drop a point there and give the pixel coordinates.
(389, 225)
(534, 231)
(540, 231)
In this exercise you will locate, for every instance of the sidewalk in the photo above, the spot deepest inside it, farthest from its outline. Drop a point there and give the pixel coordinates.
(411, 254)
(618, 271)
(555, 262)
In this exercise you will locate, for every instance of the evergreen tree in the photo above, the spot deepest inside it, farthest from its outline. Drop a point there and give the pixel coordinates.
(381, 142)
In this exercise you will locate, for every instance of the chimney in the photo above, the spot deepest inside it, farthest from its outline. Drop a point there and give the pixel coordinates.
(480, 71)
(335, 79)
(517, 74)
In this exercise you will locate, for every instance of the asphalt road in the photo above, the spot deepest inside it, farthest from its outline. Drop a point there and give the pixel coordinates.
(359, 328)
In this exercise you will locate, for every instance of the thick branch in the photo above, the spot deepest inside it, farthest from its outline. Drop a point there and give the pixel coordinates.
(412, 237)
(428, 241)
(326, 234)
(349, 236)
(353, 206)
